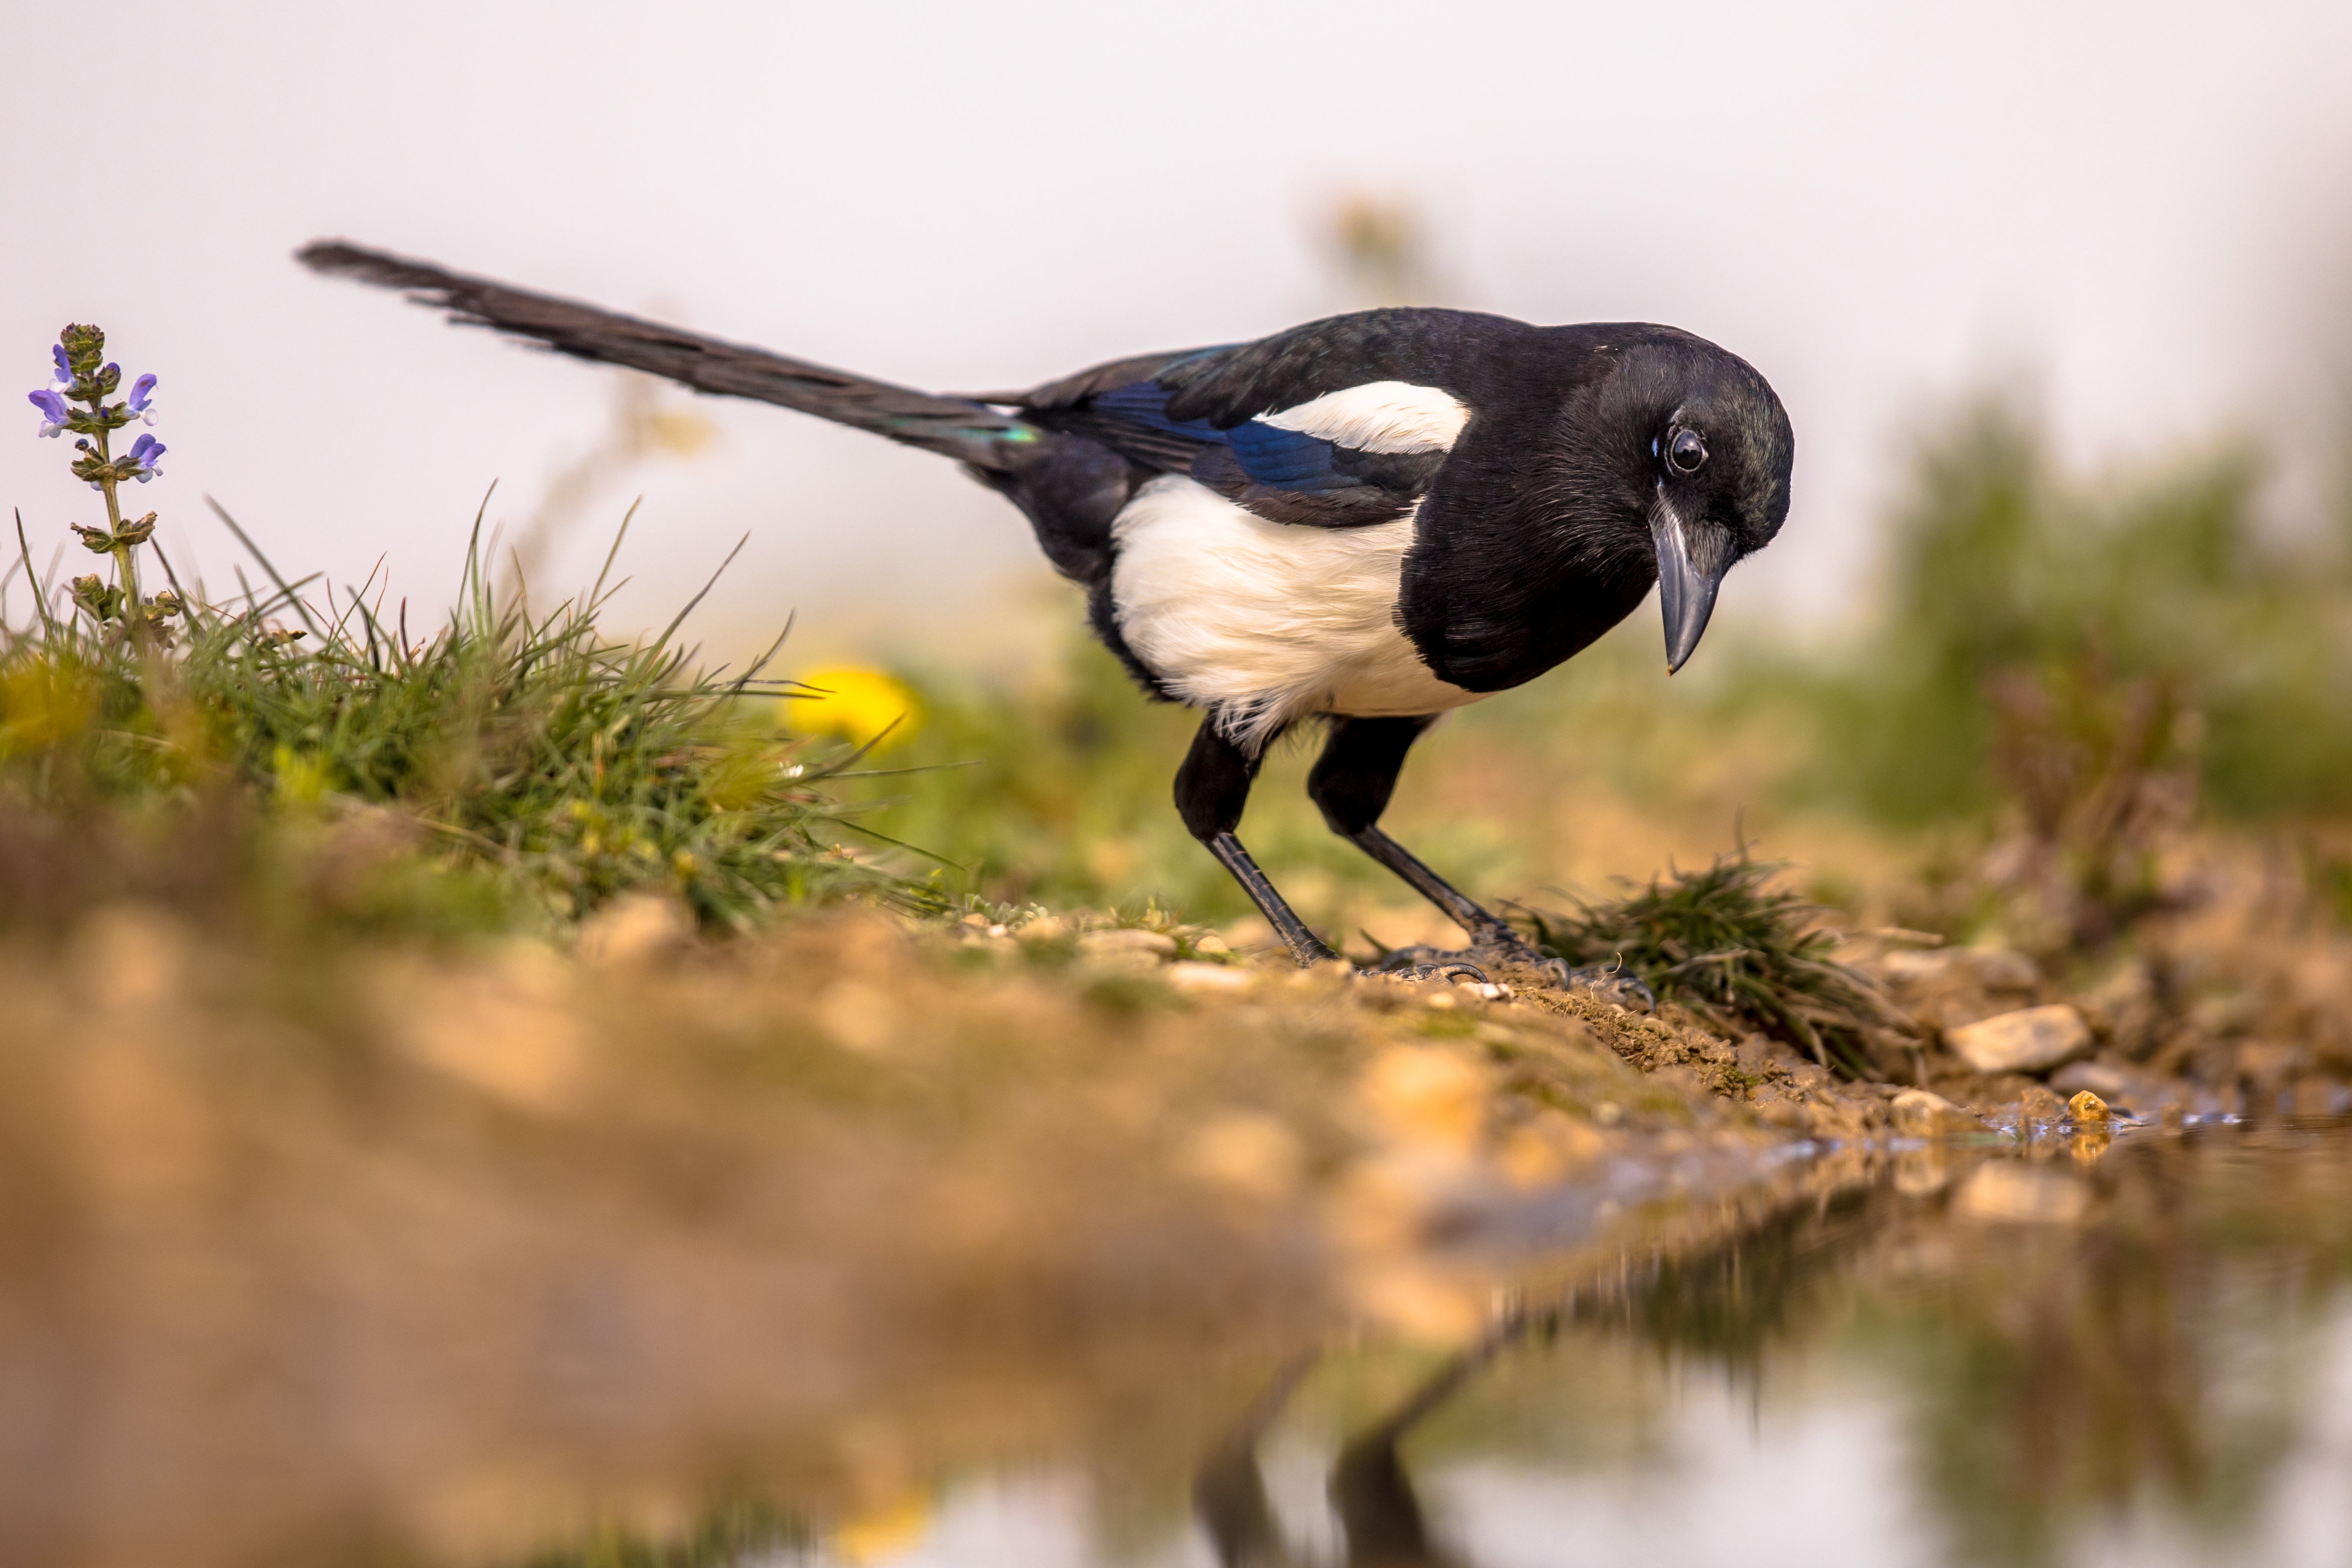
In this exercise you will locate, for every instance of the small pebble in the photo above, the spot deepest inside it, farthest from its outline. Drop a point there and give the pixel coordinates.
(2030, 1039)
(2087, 1108)
(1129, 940)
(1189, 976)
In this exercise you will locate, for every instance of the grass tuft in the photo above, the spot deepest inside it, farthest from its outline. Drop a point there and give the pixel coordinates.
(566, 764)
(1736, 951)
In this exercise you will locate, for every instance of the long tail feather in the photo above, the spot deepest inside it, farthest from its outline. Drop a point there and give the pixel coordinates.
(968, 431)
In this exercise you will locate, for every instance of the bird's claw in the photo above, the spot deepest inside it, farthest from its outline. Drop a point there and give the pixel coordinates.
(1416, 963)
(1610, 984)
(1389, 969)
(1608, 981)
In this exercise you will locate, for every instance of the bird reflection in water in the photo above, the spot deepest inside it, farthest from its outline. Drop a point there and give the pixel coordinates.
(2108, 1325)
(1369, 1488)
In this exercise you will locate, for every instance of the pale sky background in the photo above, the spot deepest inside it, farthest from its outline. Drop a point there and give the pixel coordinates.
(2141, 205)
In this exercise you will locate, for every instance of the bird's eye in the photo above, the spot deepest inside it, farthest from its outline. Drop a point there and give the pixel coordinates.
(1687, 452)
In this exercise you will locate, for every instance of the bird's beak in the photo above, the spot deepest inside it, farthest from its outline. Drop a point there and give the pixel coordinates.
(1685, 586)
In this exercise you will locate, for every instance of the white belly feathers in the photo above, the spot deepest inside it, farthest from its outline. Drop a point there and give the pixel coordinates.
(1267, 622)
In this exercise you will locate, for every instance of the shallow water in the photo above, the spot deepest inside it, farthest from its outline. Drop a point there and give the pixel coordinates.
(2138, 1353)
(2079, 1350)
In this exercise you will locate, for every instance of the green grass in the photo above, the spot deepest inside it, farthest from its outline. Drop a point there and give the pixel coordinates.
(529, 763)
(1739, 951)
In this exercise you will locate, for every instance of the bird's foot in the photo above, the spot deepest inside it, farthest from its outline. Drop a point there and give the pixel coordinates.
(1399, 963)
(1508, 948)
(1389, 968)
(1485, 951)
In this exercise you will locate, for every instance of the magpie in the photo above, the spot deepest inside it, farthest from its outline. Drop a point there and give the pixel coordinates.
(1362, 523)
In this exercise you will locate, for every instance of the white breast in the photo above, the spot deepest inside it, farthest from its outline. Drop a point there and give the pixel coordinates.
(1267, 622)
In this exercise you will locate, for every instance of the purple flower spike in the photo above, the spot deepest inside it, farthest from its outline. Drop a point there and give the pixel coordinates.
(65, 365)
(142, 458)
(54, 412)
(143, 392)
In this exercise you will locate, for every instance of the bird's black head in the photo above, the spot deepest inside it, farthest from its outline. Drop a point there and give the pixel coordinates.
(1698, 451)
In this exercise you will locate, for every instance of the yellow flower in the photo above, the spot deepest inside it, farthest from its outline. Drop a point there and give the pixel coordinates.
(854, 705)
(883, 1532)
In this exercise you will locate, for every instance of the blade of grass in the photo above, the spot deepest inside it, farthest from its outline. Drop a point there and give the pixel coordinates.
(680, 619)
(41, 596)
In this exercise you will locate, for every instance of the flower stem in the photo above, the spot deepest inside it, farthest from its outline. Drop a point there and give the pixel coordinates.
(126, 574)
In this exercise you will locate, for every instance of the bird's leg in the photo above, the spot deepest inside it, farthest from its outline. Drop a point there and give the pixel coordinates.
(1351, 782)
(1488, 931)
(1212, 787)
(1229, 1494)
(1304, 944)
(1370, 1489)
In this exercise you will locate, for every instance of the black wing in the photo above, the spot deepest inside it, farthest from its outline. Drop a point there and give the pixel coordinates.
(1445, 349)
(1198, 412)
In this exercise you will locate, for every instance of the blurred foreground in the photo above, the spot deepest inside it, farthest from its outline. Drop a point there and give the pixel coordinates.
(857, 1244)
(305, 1250)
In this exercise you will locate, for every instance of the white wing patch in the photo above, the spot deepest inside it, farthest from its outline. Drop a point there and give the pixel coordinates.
(1264, 622)
(1379, 417)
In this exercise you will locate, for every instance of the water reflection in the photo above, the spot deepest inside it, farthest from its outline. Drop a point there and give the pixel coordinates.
(2101, 1351)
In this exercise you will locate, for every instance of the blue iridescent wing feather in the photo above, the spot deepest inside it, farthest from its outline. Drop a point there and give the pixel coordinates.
(1284, 476)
